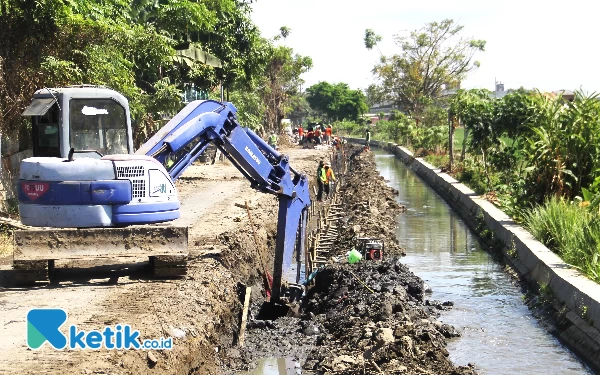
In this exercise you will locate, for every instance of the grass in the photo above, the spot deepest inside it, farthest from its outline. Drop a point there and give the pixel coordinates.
(437, 160)
(571, 231)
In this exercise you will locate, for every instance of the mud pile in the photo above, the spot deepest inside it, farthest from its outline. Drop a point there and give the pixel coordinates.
(369, 205)
(373, 316)
(374, 320)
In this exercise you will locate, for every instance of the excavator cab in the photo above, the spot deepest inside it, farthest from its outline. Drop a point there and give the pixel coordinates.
(93, 121)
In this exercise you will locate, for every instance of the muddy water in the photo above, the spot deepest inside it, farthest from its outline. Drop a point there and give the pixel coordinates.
(499, 335)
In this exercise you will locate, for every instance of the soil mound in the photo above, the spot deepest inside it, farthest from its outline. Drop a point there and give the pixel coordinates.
(369, 205)
(374, 318)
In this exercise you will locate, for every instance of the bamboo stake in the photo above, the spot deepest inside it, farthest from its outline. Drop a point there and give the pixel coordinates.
(244, 316)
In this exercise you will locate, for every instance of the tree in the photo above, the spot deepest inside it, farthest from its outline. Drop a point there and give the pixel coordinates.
(336, 101)
(284, 31)
(298, 108)
(475, 109)
(431, 59)
(371, 40)
(281, 81)
(373, 95)
(128, 46)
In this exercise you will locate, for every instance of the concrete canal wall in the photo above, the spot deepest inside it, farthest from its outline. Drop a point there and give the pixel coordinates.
(578, 307)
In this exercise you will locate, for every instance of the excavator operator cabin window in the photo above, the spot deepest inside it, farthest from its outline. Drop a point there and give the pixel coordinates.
(46, 137)
(97, 127)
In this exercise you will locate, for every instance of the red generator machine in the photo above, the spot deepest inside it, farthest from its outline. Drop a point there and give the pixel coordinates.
(371, 248)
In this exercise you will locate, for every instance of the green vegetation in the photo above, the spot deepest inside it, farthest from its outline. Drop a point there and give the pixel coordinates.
(335, 102)
(537, 157)
(572, 230)
(144, 49)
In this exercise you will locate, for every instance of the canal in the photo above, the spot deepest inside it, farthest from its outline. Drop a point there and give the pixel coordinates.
(499, 334)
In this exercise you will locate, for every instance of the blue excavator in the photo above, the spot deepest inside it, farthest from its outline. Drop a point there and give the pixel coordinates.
(92, 195)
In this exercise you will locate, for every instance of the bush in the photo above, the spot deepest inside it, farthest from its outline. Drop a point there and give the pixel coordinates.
(569, 230)
(350, 128)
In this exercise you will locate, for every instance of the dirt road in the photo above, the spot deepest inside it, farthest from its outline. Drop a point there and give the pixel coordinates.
(198, 312)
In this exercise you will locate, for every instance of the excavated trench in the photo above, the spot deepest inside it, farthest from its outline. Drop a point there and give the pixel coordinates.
(373, 317)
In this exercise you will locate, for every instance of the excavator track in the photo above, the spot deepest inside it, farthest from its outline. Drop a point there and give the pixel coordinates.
(169, 266)
(29, 273)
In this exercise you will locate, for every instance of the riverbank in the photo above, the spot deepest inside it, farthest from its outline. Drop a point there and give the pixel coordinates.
(567, 300)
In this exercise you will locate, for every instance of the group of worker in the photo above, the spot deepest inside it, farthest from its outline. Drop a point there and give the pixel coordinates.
(325, 177)
(317, 135)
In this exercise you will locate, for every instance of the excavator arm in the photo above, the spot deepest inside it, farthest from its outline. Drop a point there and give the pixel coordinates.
(181, 141)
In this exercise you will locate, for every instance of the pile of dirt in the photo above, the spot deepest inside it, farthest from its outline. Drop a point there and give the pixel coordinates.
(374, 318)
(369, 205)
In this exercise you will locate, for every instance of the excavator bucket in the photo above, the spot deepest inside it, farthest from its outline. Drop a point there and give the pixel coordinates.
(35, 250)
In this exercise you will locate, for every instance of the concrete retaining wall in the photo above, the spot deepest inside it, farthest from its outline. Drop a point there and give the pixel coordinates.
(578, 323)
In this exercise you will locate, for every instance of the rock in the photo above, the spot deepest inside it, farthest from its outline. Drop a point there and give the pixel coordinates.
(342, 363)
(387, 287)
(400, 292)
(311, 330)
(233, 353)
(448, 331)
(177, 333)
(384, 336)
(386, 311)
(407, 345)
(152, 360)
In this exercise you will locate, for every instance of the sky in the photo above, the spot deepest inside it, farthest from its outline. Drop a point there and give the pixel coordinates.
(548, 45)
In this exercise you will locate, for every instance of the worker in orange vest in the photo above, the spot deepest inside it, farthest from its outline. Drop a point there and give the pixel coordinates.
(328, 132)
(309, 138)
(329, 178)
(318, 134)
(300, 134)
